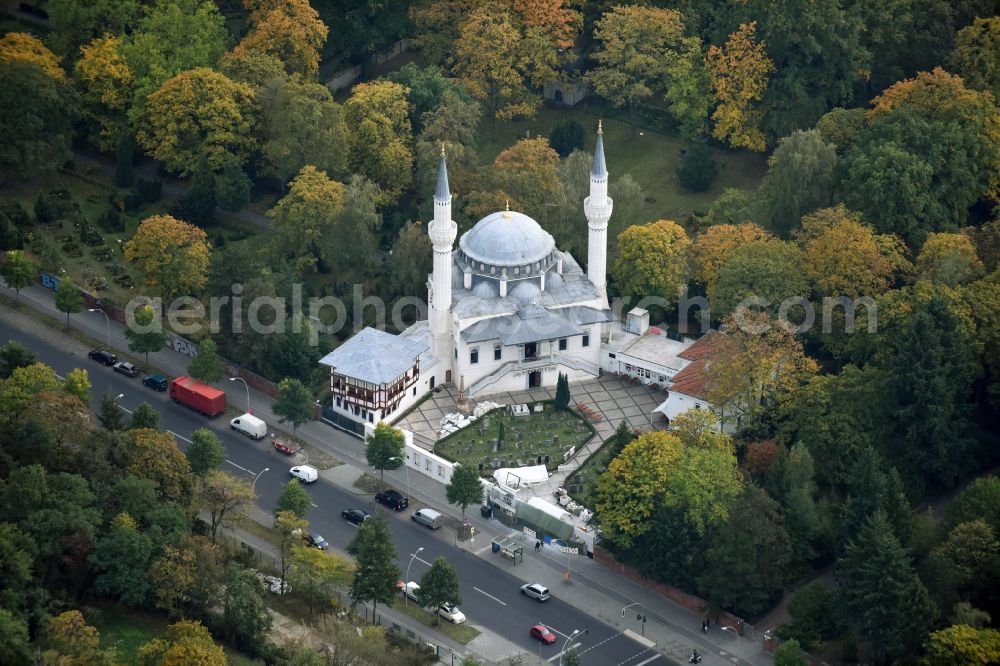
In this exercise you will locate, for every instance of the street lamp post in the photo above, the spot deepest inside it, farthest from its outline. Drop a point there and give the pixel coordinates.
(576, 632)
(107, 321)
(254, 484)
(406, 580)
(641, 617)
(407, 471)
(732, 629)
(247, 386)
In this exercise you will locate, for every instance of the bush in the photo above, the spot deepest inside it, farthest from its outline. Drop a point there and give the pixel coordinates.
(232, 186)
(111, 220)
(566, 137)
(45, 209)
(15, 214)
(697, 171)
(149, 190)
(124, 154)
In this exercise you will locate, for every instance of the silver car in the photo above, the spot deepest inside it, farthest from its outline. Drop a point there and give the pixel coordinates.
(536, 591)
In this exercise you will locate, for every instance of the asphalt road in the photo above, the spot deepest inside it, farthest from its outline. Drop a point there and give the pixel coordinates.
(491, 597)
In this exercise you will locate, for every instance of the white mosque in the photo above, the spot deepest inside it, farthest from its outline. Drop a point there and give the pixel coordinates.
(507, 311)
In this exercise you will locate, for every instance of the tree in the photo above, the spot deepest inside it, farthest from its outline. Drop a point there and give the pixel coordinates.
(121, 558)
(738, 73)
(465, 488)
(711, 247)
(652, 261)
(411, 261)
(36, 120)
(303, 125)
(144, 416)
(105, 81)
(697, 171)
(205, 453)
(111, 416)
(562, 398)
(566, 137)
(68, 298)
(199, 114)
(223, 496)
(930, 367)
(790, 653)
(18, 271)
(186, 642)
(375, 561)
(293, 498)
(24, 48)
(976, 57)
(206, 365)
(845, 257)
(842, 128)
(949, 259)
(15, 647)
(962, 644)
(173, 36)
(979, 499)
(436, 27)
(744, 562)
(78, 384)
(294, 403)
(527, 171)
(360, 220)
(439, 586)
(289, 529)
(770, 271)
(293, 33)
(171, 255)
(305, 217)
(232, 185)
(757, 361)
(812, 620)
(636, 45)
(318, 574)
(880, 594)
(144, 333)
(256, 69)
(72, 640)
(14, 355)
(800, 179)
(381, 137)
(384, 448)
(499, 63)
(74, 24)
(197, 204)
(153, 455)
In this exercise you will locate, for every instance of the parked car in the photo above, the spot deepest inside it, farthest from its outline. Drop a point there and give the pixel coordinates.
(103, 357)
(126, 369)
(392, 499)
(355, 516)
(155, 382)
(304, 473)
(412, 590)
(451, 613)
(429, 518)
(536, 591)
(543, 633)
(316, 540)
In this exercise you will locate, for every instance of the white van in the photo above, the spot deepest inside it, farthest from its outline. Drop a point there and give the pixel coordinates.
(428, 518)
(249, 425)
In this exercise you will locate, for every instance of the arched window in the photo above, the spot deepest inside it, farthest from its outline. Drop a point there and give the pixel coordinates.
(497, 351)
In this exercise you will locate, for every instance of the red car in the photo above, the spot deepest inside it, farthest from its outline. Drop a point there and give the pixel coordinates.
(543, 633)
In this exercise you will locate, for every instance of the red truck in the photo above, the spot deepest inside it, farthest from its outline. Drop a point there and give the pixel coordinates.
(199, 396)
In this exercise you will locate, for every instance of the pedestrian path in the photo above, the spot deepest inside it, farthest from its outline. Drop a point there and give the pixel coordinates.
(591, 585)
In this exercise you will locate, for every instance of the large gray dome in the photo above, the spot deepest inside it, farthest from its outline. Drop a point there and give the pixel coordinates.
(507, 238)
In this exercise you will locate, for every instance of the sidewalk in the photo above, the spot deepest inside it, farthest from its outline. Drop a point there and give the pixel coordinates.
(593, 586)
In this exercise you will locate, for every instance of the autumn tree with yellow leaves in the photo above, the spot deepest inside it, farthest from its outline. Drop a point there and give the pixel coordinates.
(105, 81)
(738, 72)
(305, 217)
(711, 247)
(652, 260)
(171, 256)
(381, 136)
(22, 47)
(199, 115)
(292, 32)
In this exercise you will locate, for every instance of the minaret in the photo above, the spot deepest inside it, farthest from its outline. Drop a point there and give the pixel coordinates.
(442, 231)
(597, 208)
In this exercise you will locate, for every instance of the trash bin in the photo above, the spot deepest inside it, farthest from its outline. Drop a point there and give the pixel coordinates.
(496, 547)
(486, 511)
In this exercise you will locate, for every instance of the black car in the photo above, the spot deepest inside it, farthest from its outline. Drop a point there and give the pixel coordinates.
(317, 541)
(355, 516)
(392, 499)
(156, 382)
(126, 369)
(103, 357)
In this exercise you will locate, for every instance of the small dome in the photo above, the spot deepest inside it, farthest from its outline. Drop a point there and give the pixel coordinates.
(507, 238)
(525, 292)
(485, 290)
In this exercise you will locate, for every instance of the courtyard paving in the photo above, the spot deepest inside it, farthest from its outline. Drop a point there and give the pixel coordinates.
(607, 397)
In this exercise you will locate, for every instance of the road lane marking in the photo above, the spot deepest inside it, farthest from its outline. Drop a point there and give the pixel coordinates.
(180, 437)
(653, 658)
(502, 603)
(241, 468)
(315, 506)
(571, 647)
(557, 631)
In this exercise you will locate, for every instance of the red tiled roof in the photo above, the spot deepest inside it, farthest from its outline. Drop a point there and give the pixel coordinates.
(692, 380)
(703, 346)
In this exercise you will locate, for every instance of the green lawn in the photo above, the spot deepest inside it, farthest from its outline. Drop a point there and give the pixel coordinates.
(651, 159)
(127, 630)
(461, 633)
(527, 438)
